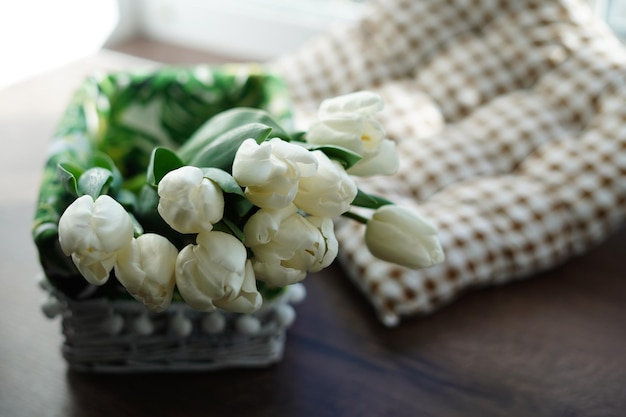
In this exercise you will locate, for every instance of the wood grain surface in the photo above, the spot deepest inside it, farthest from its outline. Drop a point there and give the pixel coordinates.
(552, 345)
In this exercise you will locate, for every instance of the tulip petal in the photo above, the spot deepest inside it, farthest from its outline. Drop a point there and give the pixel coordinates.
(277, 274)
(188, 202)
(286, 245)
(92, 232)
(249, 299)
(385, 162)
(271, 171)
(187, 275)
(96, 273)
(146, 269)
(329, 193)
(295, 155)
(215, 273)
(395, 234)
(253, 163)
(128, 268)
(364, 102)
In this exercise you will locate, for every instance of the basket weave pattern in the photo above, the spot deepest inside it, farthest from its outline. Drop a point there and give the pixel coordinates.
(104, 335)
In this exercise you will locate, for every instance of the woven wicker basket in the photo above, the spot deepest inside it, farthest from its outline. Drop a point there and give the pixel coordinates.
(123, 337)
(123, 115)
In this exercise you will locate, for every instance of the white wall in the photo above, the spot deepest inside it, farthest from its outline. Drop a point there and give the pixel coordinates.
(251, 29)
(129, 22)
(39, 35)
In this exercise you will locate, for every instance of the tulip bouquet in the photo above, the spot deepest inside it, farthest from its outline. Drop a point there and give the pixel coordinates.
(246, 202)
(190, 188)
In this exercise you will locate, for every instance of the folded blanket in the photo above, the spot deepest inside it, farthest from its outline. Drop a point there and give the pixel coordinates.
(510, 122)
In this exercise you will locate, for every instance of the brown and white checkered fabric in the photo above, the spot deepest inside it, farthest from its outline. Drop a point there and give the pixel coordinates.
(510, 119)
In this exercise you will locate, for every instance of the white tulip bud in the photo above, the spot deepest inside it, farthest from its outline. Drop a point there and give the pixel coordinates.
(347, 121)
(92, 232)
(271, 171)
(397, 235)
(188, 202)
(360, 102)
(146, 269)
(329, 193)
(216, 274)
(286, 245)
(384, 162)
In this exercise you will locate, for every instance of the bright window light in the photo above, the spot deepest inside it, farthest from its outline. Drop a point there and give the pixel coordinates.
(39, 35)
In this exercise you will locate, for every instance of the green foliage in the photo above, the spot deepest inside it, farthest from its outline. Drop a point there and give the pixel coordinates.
(98, 176)
(220, 151)
(270, 292)
(162, 161)
(103, 160)
(68, 174)
(344, 156)
(370, 201)
(95, 181)
(222, 178)
(221, 133)
(236, 203)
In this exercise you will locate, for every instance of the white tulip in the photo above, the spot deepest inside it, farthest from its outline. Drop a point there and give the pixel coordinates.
(385, 162)
(347, 121)
(324, 254)
(146, 269)
(361, 102)
(188, 202)
(216, 274)
(357, 132)
(271, 171)
(329, 193)
(397, 235)
(92, 232)
(286, 245)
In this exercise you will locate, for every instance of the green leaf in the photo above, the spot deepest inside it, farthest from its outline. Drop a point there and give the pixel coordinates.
(95, 181)
(237, 232)
(298, 136)
(102, 160)
(344, 156)
(356, 217)
(68, 173)
(147, 202)
(162, 161)
(135, 183)
(224, 122)
(371, 201)
(220, 152)
(127, 199)
(225, 181)
(241, 205)
(269, 292)
(237, 200)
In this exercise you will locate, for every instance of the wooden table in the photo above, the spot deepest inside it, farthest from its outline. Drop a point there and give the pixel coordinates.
(554, 345)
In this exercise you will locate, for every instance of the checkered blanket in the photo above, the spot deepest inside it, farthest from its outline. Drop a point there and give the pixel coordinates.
(510, 122)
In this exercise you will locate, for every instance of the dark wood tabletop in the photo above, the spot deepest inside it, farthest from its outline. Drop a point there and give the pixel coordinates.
(551, 345)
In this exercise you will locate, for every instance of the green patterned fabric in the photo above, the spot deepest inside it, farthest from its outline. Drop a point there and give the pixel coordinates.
(116, 120)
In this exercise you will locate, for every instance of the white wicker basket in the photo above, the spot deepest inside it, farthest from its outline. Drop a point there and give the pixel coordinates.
(115, 122)
(123, 337)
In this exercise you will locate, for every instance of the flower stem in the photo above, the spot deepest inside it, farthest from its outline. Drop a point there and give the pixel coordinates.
(356, 217)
